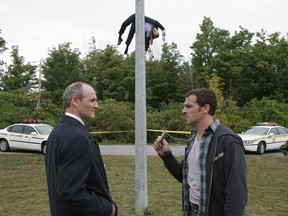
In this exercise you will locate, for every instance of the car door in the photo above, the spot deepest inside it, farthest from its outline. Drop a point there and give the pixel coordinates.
(273, 135)
(17, 138)
(32, 141)
(282, 136)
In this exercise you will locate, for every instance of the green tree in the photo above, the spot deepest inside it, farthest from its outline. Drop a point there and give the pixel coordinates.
(215, 84)
(114, 116)
(112, 76)
(209, 43)
(19, 75)
(231, 64)
(2, 50)
(271, 72)
(266, 110)
(186, 77)
(163, 77)
(14, 107)
(60, 69)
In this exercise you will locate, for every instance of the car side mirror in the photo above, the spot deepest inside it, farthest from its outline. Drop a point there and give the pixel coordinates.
(271, 134)
(33, 133)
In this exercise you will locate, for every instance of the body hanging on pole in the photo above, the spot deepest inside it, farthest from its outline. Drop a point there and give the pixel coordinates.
(151, 31)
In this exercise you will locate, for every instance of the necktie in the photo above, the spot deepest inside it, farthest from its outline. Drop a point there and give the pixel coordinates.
(151, 38)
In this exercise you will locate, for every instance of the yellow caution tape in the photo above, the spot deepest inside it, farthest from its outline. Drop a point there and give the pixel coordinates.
(148, 130)
(170, 131)
(107, 132)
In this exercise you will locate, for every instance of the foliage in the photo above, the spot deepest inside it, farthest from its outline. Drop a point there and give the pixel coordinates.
(60, 69)
(2, 49)
(247, 71)
(266, 110)
(232, 116)
(163, 77)
(49, 113)
(14, 107)
(215, 85)
(114, 116)
(113, 76)
(18, 75)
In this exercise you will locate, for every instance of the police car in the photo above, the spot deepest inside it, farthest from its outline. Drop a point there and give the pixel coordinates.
(29, 135)
(263, 137)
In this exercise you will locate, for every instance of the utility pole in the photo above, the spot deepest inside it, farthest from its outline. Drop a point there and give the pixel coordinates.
(38, 105)
(141, 189)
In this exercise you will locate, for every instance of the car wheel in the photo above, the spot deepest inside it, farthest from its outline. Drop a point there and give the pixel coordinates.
(4, 145)
(261, 148)
(44, 148)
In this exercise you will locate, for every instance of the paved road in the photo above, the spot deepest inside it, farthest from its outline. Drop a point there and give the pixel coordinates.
(177, 150)
(130, 150)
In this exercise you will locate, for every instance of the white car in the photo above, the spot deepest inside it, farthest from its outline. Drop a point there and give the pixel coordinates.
(25, 136)
(262, 138)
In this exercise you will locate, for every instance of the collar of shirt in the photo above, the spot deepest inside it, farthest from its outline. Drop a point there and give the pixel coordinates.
(148, 28)
(214, 125)
(75, 117)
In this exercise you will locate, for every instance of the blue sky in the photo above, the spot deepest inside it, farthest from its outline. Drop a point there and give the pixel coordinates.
(39, 25)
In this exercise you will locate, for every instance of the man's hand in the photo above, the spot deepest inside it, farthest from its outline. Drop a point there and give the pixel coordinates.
(113, 210)
(161, 146)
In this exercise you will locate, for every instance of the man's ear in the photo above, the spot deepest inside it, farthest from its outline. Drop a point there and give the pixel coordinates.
(205, 108)
(74, 101)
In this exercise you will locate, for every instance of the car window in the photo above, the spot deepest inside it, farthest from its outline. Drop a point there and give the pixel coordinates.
(257, 130)
(282, 130)
(44, 129)
(274, 131)
(15, 129)
(29, 130)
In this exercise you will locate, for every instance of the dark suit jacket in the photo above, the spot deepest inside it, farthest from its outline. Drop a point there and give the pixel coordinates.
(76, 177)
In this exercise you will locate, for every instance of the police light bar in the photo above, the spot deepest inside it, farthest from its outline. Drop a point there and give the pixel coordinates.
(266, 124)
(27, 121)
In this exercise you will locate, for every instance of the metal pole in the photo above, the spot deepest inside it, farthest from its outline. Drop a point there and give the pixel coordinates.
(38, 106)
(141, 192)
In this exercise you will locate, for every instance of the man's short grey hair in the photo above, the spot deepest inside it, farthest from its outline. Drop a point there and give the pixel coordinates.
(75, 89)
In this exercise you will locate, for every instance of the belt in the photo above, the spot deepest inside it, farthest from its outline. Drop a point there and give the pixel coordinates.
(194, 207)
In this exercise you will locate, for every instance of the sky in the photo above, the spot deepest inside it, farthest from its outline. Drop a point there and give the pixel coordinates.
(38, 26)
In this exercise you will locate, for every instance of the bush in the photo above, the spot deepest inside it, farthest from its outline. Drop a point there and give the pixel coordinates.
(266, 110)
(115, 117)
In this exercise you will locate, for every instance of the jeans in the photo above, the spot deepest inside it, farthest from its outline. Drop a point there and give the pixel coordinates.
(193, 212)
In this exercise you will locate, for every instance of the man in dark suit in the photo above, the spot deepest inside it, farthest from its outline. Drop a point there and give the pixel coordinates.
(151, 31)
(76, 177)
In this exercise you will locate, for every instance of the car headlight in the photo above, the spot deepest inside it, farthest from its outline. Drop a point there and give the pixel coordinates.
(248, 142)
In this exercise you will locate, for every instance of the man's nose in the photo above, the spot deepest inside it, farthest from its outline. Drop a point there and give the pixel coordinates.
(96, 105)
(183, 110)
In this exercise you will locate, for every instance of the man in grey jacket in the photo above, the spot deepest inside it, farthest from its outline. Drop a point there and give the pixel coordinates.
(213, 171)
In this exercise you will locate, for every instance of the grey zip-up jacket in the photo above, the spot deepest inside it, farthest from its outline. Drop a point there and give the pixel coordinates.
(225, 176)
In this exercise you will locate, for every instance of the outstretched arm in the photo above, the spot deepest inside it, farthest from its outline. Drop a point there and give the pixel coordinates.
(174, 167)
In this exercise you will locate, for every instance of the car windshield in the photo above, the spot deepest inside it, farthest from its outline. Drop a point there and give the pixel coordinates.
(44, 129)
(257, 130)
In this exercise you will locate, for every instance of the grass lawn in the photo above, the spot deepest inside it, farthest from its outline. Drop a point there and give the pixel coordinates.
(24, 191)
